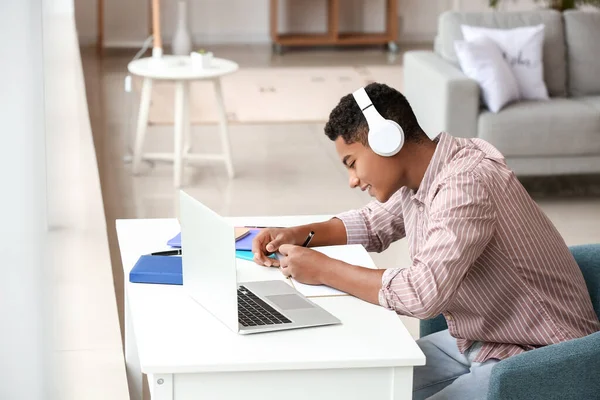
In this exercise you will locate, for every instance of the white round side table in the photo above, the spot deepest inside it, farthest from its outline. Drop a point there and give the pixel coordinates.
(180, 70)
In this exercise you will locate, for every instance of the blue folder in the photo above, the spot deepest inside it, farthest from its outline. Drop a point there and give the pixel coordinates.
(244, 243)
(157, 269)
(248, 255)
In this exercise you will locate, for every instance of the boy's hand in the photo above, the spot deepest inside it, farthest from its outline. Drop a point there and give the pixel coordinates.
(303, 264)
(268, 241)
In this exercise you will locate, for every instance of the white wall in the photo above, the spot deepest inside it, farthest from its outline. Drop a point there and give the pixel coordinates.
(247, 21)
(25, 306)
(55, 7)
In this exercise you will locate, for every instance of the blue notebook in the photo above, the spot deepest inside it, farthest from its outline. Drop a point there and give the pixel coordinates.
(157, 269)
(244, 243)
(175, 241)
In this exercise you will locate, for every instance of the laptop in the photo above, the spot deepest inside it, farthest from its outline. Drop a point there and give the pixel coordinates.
(210, 277)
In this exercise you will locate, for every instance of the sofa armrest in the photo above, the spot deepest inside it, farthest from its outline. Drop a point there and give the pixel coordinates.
(567, 370)
(442, 97)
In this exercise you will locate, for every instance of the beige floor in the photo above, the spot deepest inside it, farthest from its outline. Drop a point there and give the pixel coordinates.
(281, 168)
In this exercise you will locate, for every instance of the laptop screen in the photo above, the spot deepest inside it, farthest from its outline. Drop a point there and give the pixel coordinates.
(208, 256)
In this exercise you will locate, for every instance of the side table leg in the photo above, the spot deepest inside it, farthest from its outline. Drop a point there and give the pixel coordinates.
(142, 124)
(187, 124)
(181, 99)
(223, 128)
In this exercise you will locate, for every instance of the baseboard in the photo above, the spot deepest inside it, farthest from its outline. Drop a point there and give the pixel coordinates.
(256, 38)
(123, 44)
(232, 38)
(414, 37)
(85, 41)
(198, 40)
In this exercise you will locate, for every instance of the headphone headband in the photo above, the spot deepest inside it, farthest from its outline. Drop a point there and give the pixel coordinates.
(362, 98)
(386, 137)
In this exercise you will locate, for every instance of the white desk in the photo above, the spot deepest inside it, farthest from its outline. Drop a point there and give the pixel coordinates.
(188, 354)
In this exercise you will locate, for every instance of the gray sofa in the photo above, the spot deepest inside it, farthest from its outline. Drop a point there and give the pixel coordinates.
(557, 136)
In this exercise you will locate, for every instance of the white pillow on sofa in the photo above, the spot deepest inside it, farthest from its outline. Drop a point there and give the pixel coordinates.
(523, 50)
(481, 59)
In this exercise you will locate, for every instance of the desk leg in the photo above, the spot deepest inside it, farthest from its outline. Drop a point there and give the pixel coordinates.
(181, 101)
(162, 386)
(223, 128)
(142, 124)
(132, 362)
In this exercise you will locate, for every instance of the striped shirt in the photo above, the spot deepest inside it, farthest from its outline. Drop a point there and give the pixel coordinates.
(483, 254)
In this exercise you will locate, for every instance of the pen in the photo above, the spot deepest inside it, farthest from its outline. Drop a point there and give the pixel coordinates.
(167, 253)
(305, 244)
(308, 239)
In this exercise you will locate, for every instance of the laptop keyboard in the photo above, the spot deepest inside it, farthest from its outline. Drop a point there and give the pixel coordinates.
(252, 311)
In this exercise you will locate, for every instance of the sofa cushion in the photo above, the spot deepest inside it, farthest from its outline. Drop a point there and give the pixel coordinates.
(557, 127)
(555, 68)
(582, 34)
(593, 101)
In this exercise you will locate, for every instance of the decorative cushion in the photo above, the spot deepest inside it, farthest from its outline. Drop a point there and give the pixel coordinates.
(522, 48)
(554, 53)
(482, 60)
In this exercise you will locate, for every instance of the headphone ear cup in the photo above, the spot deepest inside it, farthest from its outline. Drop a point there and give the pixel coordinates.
(386, 139)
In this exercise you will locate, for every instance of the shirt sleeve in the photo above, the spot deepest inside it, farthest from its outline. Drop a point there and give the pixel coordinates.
(376, 225)
(461, 222)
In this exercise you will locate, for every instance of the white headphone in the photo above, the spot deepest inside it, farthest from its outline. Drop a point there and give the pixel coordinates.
(386, 137)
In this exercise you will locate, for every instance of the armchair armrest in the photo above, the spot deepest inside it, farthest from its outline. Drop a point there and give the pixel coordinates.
(442, 97)
(429, 326)
(567, 370)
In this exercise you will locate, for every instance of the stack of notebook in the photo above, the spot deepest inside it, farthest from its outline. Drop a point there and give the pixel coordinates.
(168, 270)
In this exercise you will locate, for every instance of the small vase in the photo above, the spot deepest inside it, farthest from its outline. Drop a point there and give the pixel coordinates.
(182, 41)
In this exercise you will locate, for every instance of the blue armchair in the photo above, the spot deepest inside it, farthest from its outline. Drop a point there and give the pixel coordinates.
(565, 371)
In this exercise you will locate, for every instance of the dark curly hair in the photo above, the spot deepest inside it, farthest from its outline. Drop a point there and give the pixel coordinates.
(347, 120)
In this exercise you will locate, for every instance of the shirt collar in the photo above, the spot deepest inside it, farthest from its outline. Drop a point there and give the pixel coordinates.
(441, 156)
